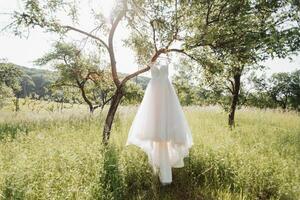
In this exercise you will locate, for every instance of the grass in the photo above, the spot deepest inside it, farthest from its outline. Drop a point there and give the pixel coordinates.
(58, 155)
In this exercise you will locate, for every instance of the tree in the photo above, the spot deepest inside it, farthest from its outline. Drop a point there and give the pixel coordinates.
(284, 89)
(10, 82)
(27, 86)
(295, 88)
(78, 71)
(259, 96)
(279, 89)
(42, 86)
(133, 93)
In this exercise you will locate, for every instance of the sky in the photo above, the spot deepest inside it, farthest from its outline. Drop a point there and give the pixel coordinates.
(23, 51)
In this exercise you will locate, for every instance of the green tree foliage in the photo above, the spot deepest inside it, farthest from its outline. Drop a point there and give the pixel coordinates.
(185, 81)
(27, 86)
(285, 89)
(10, 77)
(133, 93)
(35, 83)
(259, 96)
(229, 38)
(295, 88)
(280, 90)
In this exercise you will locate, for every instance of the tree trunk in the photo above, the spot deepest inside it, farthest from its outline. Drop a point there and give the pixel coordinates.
(285, 101)
(61, 105)
(17, 105)
(115, 101)
(235, 99)
(102, 107)
(92, 109)
(85, 98)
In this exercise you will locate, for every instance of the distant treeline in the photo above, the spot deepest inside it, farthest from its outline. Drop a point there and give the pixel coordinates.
(83, 85)
(281, 90)
(37, 83)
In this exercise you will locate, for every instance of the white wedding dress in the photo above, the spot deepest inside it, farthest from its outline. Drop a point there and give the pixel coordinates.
(160, 127)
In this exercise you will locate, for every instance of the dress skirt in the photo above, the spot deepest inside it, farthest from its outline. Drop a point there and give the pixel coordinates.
(160, 128)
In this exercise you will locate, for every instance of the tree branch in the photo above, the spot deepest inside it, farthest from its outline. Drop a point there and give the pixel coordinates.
(110, 44)
(208, 13)
(153, 35)
(130, 76)
(87, 34)
(230, 89)
(65, 59)
(183, 52)
(232, 84)
(147, 68)
(106, 101)
(90, 73)
(64, 84)
(175, 28)
(8, 26)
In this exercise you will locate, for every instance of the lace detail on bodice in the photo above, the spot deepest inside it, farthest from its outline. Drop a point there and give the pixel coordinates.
(159, 71)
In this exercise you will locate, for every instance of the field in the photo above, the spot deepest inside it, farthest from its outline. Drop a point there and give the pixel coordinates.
(53, 154)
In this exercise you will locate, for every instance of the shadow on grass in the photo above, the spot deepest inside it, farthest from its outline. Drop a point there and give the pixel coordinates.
(11, 191)
(206, 176)
(12, 130)
(110, 184)
(289, 144)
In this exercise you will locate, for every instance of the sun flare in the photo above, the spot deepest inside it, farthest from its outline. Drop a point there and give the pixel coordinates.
(107, 7)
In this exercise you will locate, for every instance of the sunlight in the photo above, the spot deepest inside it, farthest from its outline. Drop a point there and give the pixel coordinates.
(107, 7)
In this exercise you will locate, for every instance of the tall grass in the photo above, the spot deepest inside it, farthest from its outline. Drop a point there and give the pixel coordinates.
(58, 155)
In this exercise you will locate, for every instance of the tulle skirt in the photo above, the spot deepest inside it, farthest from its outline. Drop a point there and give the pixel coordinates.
(160, 128)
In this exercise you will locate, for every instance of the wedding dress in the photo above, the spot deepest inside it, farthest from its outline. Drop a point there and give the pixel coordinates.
(159, 127)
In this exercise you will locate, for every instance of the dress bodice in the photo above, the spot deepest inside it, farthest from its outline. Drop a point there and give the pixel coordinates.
(160, 70)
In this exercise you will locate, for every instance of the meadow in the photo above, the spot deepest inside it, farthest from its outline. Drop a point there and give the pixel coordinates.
(57, 154)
